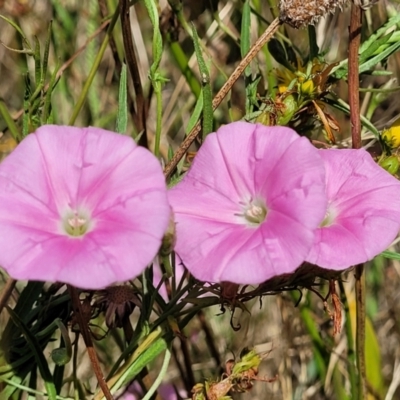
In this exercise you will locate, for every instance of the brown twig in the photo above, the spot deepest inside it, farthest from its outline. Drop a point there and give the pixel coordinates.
(6, 293)
(354, 102)
(77, 307)
(262, 40)
(353, 78)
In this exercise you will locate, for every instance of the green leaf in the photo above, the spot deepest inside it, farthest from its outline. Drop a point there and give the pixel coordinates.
(381, 31)
(38, 353)
(38, 64)
(15, 133)
(46, 115)
(154, 75)
(373, 360)
(196, 114)
(151, 6)
(312, 39)
(19, 30)
(46, 53)
(391, 255)
(206, 86)
(380, 45)
(146, 352)
(245, 33)
(379, 57)
(278, 52)
(122, 116)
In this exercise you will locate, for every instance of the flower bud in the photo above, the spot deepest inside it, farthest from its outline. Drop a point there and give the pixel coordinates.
(390, 164)
(391, 136)
(307, 87)
(168, 241)
(289, 108)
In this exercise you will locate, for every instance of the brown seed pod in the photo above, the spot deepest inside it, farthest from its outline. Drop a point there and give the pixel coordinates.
(298, 13)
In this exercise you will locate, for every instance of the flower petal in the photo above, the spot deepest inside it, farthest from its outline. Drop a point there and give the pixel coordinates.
(365, 201)
(120, 185)
(243, 161)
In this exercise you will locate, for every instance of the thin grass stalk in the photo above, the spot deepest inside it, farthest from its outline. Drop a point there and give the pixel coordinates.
(351, 352)
(93, 71)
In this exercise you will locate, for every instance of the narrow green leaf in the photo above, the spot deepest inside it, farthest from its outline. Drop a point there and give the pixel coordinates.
(143, 359)
(37, 351)
(278, 52)
(93, 71)
(15, 133)
(379, 57)
(19, 30)
(152, 345)
(183, 64)
(373, 359)
(151, 6)
(12, 386)
(381, 31)
(46, 53)
(47, 101)
(122, 116)
(196, 114)
(156, 78)
(25, 117)
(245, 33)
(312, 40)
(157, 382)
(251, 90)
(391, 255)
(373, 48)
(206, 86)
(38, 63)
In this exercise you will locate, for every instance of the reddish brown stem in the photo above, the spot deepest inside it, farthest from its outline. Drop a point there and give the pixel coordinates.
(353, 78)
(354, 102)
(262, 40)
(77, 307)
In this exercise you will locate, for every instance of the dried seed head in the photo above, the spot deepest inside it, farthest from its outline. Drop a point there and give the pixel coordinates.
(298, 13)
(118, 303)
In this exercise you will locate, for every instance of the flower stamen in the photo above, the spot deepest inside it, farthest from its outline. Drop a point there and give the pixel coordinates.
(76, 224)
(255, 212)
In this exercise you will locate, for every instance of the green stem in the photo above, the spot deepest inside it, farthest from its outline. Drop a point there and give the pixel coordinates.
(158, 118)
(350, 344)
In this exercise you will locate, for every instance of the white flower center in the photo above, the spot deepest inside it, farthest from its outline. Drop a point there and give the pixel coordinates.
(255, 212)
(76, 223)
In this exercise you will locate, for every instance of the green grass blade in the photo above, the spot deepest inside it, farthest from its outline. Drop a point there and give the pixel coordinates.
(122, 116)
(38, 353)
(206, 86)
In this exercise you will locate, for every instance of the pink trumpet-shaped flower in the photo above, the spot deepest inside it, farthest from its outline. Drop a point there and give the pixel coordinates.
(82, 206)
(247, 208)
(363, 215)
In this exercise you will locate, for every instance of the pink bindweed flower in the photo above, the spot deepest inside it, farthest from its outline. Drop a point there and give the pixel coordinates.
(363, 215)
(82, 206)
(247, 208)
